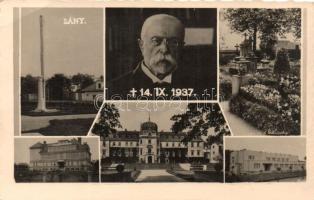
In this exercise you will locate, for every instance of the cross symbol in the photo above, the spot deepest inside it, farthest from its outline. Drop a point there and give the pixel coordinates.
(245, 34)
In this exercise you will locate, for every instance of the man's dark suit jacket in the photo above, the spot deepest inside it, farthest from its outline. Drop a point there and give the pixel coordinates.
(137, 79)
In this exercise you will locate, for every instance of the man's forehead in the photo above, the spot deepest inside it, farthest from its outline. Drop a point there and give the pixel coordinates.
(162, 25)
(163, 30)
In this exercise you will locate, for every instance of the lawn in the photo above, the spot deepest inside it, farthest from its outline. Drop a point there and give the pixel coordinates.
(65, 127)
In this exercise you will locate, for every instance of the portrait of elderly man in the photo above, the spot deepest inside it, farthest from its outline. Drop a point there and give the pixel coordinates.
(161, 42)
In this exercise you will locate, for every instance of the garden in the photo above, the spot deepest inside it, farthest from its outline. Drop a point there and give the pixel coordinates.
(268, 99)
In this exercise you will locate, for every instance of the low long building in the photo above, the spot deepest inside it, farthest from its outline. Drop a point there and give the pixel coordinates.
(70, 155)
(150, 146)
(248, 161)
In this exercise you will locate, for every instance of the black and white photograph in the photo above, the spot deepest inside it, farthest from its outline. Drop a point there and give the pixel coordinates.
(260, 67)
(47, 159)
(173, 142)
(265, 159)
(161, 54)
(61, 70)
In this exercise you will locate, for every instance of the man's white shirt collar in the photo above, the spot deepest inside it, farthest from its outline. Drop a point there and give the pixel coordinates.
(154, 78)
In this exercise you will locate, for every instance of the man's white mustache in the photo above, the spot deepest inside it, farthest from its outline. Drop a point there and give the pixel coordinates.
(162, 58)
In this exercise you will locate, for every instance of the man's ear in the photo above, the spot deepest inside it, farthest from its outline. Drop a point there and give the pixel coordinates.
(140, 44)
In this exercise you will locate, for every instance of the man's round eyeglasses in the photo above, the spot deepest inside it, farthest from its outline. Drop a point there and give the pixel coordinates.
(171, 42)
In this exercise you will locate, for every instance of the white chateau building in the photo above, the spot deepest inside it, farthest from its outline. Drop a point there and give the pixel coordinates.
(150, 146)
(72, 155)
(248, 161)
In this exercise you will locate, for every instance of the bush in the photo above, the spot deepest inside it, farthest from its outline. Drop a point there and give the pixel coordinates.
(120, 168)
(263, 118)
(218, 167)
(282, 64)
(226, 58)
(225, 89)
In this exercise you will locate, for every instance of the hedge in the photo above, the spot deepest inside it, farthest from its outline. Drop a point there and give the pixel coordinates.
(263, 118)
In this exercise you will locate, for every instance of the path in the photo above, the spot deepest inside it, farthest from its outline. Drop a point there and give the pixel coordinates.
(31, 123)
(157, 175)
(238, 126)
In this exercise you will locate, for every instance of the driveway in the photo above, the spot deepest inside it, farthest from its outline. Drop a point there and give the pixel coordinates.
(157, 175)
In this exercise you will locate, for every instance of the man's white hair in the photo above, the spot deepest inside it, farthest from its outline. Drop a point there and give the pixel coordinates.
(161, 18)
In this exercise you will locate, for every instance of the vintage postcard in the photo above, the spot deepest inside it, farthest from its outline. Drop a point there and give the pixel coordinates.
(156, 100)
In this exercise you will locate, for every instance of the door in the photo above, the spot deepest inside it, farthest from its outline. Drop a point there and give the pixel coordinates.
(149, 159)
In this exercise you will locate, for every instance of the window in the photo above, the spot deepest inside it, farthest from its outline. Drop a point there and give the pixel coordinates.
(192, 144)
(119, 143)
(166, 144)
(172, 144)
(251, 157)
(192, 152)
(140, 141)
(131, 143)
(141, 151)
(149, 141)
(126, 143)
(149, 150)
(257, 165)
(113, 144)
(198, 152)
(197, 144)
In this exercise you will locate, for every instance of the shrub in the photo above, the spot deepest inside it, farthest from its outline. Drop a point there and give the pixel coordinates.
(263, 118)
(225, 89)
(218, 167)
(282, 64)
(120, 168)
(226, 58)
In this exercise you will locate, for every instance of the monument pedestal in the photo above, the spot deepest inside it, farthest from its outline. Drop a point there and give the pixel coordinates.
(41, 104)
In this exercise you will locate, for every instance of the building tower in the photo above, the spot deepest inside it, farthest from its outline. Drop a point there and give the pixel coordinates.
(148, 148)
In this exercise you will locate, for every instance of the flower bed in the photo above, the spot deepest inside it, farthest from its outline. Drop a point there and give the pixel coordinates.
(262, 94)
(290, 84)
(225, 89)
(270, 121)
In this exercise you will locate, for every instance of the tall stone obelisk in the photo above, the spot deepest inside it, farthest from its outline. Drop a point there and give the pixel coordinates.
(41, 104)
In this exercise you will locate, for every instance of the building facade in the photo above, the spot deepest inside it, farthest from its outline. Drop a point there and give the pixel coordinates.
(150, 146)
(72, 155)
(247, 161)
(89, 93)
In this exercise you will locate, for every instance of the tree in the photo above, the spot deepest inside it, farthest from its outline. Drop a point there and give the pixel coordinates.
(108, 121)
(58, 87)
(264, 21)
(267, 44)
(83, 80)
(282, 64)
(29, 85)
(198, 119)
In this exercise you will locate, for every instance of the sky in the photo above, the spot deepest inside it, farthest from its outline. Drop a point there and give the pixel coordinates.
(287, 145)
(68, 48)
(22, 153)
(133, 114)
(232, 38)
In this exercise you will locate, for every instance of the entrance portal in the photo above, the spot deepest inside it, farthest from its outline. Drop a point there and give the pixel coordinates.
(149, 159)
(267, 166)
(61, 164)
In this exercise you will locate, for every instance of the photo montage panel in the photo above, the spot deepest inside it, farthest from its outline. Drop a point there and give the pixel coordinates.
(265, 159)
(61, 70)
(156, 54)
(260, 70)
(56, 159)
(176, 142)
